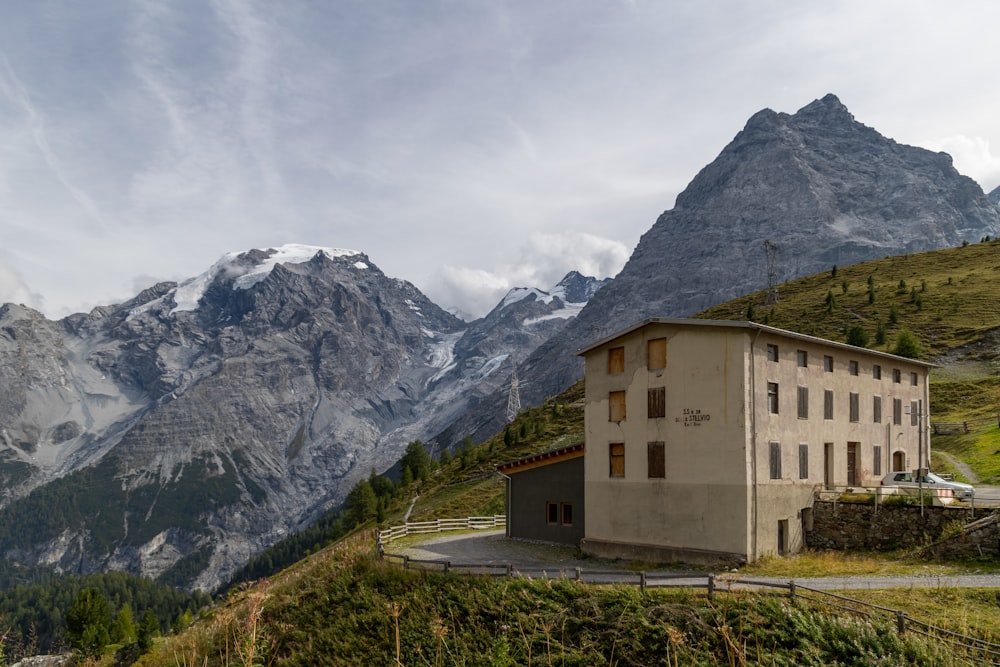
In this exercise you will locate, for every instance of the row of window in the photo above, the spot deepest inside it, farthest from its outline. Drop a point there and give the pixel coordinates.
(559, 514)
(853, 406)
(656, 463)
(802, 361)
(774, 461)
(656, 356)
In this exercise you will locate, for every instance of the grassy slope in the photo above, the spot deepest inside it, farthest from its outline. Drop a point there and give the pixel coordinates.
(340, 606)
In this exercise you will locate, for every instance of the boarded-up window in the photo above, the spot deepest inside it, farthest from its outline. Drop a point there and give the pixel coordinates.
(772, 397)
(877, 461)
(616, 406)
(877, 372)
(656, 402)
(877, 409)
(616, 451)
(913, 379)
(803, 461)
(567, 514)
(552, 513)
(775, 460)
(828, 364)
(896, 375)
(616, 360)
(772, 352)
(656, 354)
(897, 411)
(914, 413)
(802, 358)
(828, 404)
(855, 406)
(852, 367)
(657, 463)
(803, 402)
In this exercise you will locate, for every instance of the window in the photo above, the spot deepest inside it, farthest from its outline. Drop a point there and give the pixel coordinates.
(657, 462)
(914, 413)
(616, 452)
(877, 372)
(656, 354)
(775, 460)
(852, 367)
(877, 409)
(828, 404)
(877, 460)
(616, 406)
(772, 352)
(897, 411)
(803, 402)
(803, 461)
(913, 379)
(772, 397)
(567, 514)
(896, 377)
(854, 407)
(616, 360)
(828, 364)
(552, 513)
(656, 402)
(802, 358)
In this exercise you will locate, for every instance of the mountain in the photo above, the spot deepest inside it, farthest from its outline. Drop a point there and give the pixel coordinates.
(179, 433)
(820, 186)
(995, 196)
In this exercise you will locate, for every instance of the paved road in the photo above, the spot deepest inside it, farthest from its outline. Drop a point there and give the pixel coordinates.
(492, 551)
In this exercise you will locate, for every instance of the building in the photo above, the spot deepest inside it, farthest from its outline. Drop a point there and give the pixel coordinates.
(707, 440)
(545, 496)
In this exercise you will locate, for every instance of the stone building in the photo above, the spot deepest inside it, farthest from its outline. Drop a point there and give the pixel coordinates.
(707, 440)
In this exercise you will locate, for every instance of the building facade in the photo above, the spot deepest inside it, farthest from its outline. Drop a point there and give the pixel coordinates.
(707, 440)
(545, 496)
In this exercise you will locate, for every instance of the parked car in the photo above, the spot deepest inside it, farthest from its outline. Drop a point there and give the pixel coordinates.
(930, 481)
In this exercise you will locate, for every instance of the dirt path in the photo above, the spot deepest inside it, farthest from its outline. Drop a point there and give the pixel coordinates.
(960, 466)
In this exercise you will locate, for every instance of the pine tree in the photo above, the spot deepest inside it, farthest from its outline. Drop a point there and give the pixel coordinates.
(87, 623)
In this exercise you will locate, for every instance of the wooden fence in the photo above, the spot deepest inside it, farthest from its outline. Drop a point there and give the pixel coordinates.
(438, 526)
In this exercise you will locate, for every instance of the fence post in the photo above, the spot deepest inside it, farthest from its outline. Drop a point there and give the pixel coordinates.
(642, 581)
(447, 566)
(901, 622)
(509, 568)
(579, 573)
(711, 586)
(406, 562)
(791, 589)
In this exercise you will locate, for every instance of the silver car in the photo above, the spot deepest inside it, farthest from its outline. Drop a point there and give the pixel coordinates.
(930, 481)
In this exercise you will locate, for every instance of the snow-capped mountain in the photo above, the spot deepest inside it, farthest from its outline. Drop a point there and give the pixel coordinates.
(179, 433)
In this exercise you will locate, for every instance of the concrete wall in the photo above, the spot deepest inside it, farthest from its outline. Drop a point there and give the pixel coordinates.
(701, 503)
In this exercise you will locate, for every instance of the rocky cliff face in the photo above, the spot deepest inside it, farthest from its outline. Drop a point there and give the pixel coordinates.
(180, 433)
(822, 187)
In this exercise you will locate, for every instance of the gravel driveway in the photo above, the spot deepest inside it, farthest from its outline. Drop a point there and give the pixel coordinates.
(494, 548)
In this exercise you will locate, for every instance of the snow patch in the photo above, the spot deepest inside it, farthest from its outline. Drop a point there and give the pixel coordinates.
(570, 311)
(189, 293)
(441, 353)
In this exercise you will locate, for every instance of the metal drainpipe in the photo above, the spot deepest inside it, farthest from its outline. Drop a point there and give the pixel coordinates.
(753, 444)
(506, 523)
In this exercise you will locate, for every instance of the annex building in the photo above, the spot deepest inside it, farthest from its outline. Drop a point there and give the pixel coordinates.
(707, 440)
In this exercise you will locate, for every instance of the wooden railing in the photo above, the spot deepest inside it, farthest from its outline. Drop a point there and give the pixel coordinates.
(440, 525)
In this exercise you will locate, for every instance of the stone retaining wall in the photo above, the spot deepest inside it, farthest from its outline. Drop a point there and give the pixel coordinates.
(888, 527)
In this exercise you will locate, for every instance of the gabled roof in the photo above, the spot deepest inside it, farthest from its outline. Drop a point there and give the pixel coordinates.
(750, 326)
(545, 458)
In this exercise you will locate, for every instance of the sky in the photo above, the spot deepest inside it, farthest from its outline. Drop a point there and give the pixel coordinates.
(467, 146)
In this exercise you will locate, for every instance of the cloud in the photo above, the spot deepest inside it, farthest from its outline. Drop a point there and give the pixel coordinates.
(971, 156)
(13, 289)
(545, 259)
